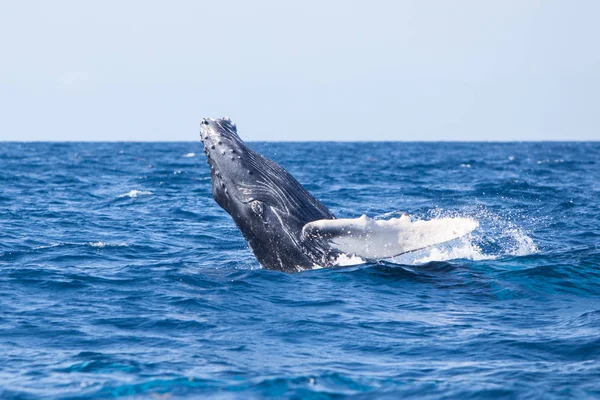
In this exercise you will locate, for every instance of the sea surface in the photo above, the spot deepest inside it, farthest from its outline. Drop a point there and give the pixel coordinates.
(120, 277)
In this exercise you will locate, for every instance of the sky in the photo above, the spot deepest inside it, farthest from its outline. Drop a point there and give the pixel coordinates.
(295, 71)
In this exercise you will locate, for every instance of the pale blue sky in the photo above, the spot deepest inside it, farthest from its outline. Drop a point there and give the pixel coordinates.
(309, 70)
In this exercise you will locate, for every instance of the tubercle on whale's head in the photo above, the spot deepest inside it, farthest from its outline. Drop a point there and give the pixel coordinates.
(219, 126)
(228, 158)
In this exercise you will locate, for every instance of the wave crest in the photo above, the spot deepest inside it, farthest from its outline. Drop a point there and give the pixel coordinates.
(135, 193)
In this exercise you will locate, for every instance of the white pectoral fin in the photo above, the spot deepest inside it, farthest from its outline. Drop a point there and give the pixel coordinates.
(377, 239)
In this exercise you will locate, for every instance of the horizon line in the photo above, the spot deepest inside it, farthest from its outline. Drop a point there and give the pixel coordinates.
(316, 141)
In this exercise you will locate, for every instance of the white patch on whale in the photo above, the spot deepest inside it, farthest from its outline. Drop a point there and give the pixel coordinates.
(379, 239)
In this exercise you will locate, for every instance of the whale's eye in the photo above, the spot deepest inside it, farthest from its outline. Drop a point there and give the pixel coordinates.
(205, 122)
(257, 207)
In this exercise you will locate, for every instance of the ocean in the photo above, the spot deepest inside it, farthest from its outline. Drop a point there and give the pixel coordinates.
(120, 277)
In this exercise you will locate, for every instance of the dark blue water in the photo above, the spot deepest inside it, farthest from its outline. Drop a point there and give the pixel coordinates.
(121, 277)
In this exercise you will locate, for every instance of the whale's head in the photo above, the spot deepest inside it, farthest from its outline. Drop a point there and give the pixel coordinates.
(226, 154)
(267, 204)
(244, 182)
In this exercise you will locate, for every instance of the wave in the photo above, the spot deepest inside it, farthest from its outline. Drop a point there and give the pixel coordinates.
(103, 244)
(165, 290)
(135, 193)
(97, 244)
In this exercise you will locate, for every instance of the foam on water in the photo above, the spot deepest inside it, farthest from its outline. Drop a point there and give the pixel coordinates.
(509, 240)
(49, 246)
(345, 260)
(135, 193)
(462, 248)
(103, 244)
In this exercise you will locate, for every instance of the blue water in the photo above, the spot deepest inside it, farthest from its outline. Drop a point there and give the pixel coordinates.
(121, 277)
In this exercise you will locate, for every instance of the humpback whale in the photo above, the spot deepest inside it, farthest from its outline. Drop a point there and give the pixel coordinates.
(288, 229)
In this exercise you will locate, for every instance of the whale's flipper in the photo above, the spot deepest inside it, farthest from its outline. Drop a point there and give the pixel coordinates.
(378, 239)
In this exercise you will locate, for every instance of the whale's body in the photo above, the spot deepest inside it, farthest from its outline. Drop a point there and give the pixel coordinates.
(269, 206)
(289, 230)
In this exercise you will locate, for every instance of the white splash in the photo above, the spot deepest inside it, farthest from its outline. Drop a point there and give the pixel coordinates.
(102, 244)
(509, 239)
(48, 246)
(462, 248)
(345, 260)
(524, 244)
(135, 193)
(189, 155)
(558, 161)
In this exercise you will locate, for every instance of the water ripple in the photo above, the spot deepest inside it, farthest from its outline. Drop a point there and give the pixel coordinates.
(121, 277)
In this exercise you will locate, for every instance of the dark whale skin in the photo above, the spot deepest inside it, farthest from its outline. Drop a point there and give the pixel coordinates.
(268, 205)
